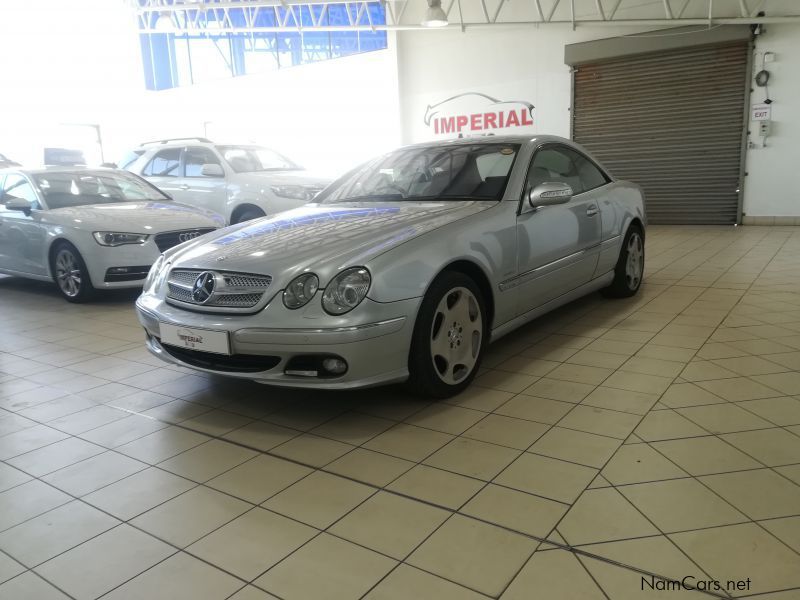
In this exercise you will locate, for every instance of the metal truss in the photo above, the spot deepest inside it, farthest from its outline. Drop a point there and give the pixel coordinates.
(248, 16)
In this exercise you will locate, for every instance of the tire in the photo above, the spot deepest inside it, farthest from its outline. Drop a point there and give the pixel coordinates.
(444, 360)
(629, 272)
(70, 273)
(248, 214)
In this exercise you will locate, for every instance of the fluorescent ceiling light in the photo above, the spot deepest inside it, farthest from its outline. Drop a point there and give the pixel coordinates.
(434, 16)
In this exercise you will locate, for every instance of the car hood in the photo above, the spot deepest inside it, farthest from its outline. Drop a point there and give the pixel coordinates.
(134, 217)
(320, 237)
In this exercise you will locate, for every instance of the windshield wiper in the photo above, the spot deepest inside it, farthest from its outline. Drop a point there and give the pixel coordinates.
(375, 197)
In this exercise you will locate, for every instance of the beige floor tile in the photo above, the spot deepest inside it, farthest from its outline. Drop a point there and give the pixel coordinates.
(750, 365)
(208, 460)
(681, 504)
(773, 447)
(786, 383)
(28, 500)
(653, 366)
(542, 410)
(28, 439)
(312, 450)
(787, 530)
(353, 428)
(29, 586)
(554, 389)
(162, 444)
(549, 352)
(592, 358)
(600, 421)
(790, 360)
(723, 418)
(505, 381)
(341, 570)
(553, 574)
(535, 367)
(679, 341)
(667, 425)
(639, 463)
(138, 493)
(737, 389)
(123, 431)
(180, 576)
(638, 382)
(104, 562)
(84, 420)
(252, 593)
(472, 458)
(9, 568)
(261, 435)
(603, 515)
(715, 350)
(705, 455)
(515, 510)
(54, 532)
(446, 418)
(252, 543)
(407, 582)
(259, 478)
(506, 431)
(55, 456)
(478, 398)
(681, 395)
(781, 411)
(792, 472)
(742, 551)
(615, 347)
(760, 494)
(474, 554)
(216, 422)
(11, 477)
(547, 477)
(93, 473)
(620, 400)
(190, 516)
(669, 353)
(576, 446)
(319, 499)
(436, 486)
(408, 442)
(580, 373)
(370, 467)
(705, 370)
(390, 524)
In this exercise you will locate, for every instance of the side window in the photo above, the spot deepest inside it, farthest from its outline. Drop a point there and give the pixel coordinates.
(590, 174)
(554, 165)
(17, 187)
(166, 163)
(196, 157)
(130, 158)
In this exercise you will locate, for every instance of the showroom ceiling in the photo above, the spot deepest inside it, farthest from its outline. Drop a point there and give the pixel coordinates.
(247, 16)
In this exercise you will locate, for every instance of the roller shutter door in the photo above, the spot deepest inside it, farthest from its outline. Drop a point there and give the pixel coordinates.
(672, 122)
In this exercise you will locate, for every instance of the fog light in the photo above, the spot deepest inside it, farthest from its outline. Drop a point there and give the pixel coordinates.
(118, 270)
(334, 365)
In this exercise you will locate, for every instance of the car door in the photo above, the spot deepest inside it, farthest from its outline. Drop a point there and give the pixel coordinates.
(22, 235)
(206, 191)
(165, 172)
(557, 246)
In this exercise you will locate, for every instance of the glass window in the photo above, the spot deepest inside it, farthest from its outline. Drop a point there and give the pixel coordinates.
(64, 189)
(130, 158)
(195, 158)
(248, 159)
(591, 175)
(564, 165)
(468, 171)
(166, 163)
(16, 187)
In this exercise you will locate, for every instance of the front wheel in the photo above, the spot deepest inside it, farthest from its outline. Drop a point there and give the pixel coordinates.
(449, 337)
(630, 266)
(70, 273)
(248, 214)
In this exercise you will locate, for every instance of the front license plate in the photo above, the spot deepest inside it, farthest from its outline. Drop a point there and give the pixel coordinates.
(205, 340)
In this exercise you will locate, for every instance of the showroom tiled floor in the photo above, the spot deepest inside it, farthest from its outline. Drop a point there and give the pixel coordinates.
(610, 442)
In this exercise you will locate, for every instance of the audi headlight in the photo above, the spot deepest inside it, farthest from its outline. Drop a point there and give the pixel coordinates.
(113, 238)
(346, 291)
(295, 192)
(156, 276)
(300, 290)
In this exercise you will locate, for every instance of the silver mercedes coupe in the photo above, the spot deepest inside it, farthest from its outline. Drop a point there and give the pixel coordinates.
(404, 269)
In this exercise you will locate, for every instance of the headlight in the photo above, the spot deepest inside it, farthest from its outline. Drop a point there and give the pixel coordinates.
(154, 277)
(346, 291)
(300, 290)
(296, 192)
(112, 238)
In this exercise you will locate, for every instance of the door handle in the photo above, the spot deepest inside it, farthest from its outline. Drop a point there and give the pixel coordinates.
(591, 211)
(183, 187)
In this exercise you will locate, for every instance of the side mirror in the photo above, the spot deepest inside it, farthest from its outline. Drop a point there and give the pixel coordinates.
(549, 193)
(19, 204)
(212, 170)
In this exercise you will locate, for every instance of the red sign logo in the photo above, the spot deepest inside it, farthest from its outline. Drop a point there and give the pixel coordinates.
(475, 112)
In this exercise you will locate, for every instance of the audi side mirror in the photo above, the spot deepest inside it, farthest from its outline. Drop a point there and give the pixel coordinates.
(549, 193)
(212, 170)
(20, 204)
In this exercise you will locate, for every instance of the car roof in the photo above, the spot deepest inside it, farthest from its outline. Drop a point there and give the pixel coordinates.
(492, 139)
(76, 169)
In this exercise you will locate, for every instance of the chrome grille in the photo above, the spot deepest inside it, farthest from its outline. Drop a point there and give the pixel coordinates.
(230, 290)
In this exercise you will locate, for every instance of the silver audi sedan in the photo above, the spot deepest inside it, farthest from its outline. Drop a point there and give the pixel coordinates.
(404, 269)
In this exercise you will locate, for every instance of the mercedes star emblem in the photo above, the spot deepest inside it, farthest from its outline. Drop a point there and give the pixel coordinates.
(203, 287)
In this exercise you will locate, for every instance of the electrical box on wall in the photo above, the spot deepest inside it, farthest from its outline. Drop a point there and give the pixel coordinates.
(764, 128)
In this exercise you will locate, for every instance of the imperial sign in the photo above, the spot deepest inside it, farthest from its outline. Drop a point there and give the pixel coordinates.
(475, 112)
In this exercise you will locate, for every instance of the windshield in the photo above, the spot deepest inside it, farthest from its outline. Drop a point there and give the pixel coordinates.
(478, 171)
(63, 190)
(248, 159)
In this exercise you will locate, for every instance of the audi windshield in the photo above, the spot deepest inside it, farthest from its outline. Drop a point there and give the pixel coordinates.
(80, 188)
(458, 172)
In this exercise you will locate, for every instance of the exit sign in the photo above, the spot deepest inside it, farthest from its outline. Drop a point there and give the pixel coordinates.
(761, 112)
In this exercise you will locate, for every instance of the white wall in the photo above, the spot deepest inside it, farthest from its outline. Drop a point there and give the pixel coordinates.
(772, 187)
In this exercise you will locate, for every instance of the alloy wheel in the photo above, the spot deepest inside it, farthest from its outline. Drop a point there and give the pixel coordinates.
(68, 273)
(456, 335)
(635, 263)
